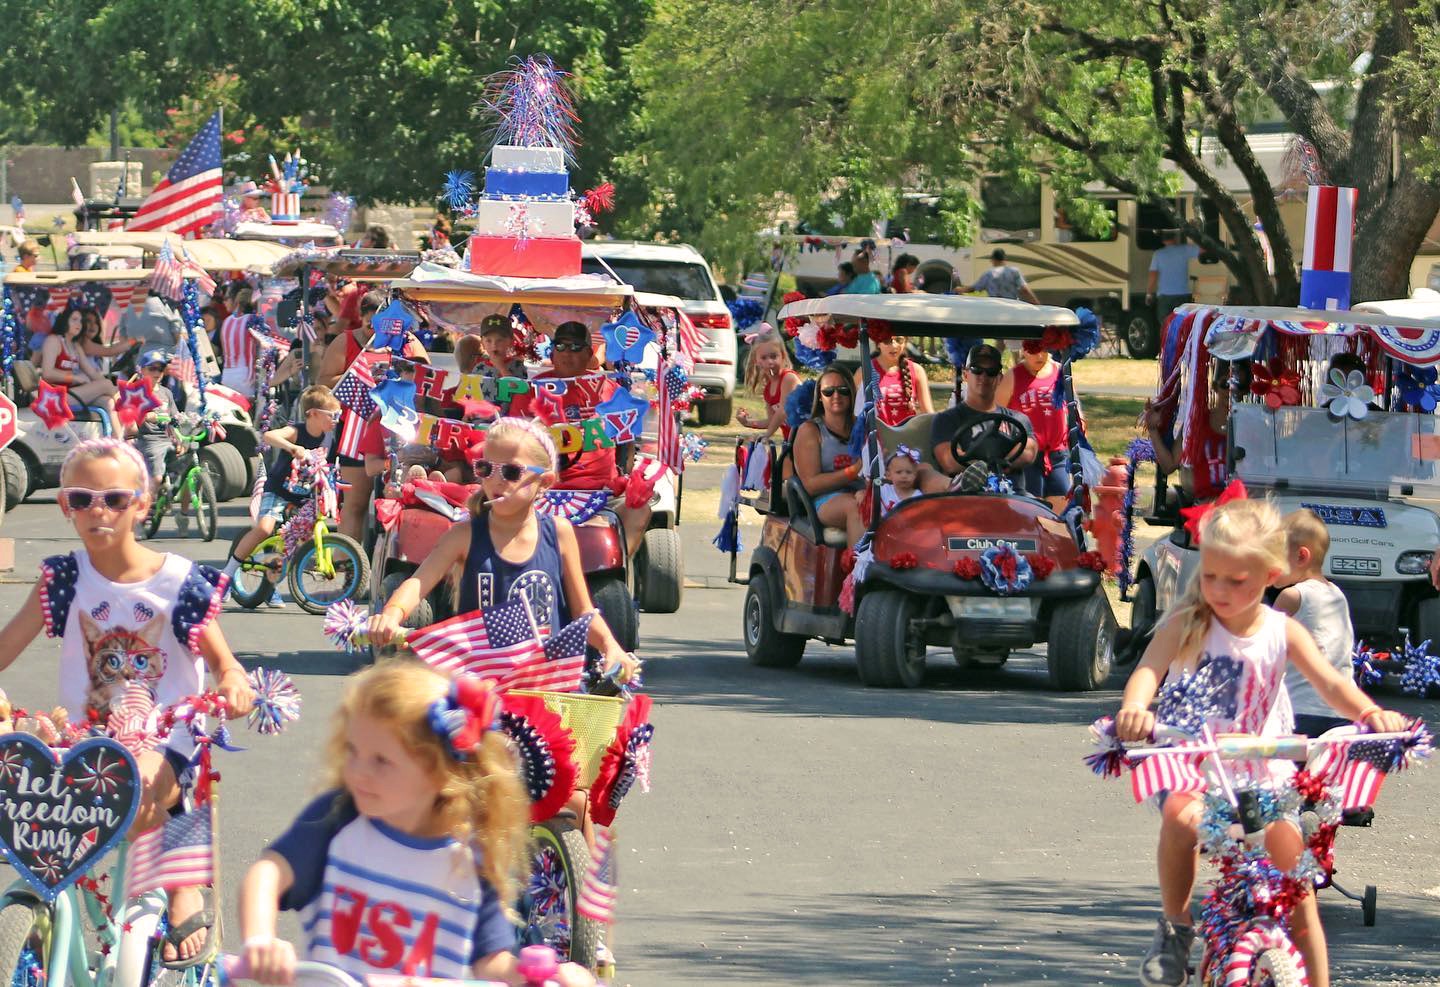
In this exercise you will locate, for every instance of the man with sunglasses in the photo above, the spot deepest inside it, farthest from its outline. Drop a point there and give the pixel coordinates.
(572, 359)
(982, 379)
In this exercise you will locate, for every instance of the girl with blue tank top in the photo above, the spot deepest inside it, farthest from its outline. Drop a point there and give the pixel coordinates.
(507, 551)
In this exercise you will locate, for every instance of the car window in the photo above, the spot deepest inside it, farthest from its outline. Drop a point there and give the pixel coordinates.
(678, 278)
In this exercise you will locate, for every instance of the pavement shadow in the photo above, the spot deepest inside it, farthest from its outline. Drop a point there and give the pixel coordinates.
(998, 932)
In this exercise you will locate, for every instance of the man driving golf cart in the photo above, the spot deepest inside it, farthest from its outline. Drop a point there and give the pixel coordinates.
(977, 410)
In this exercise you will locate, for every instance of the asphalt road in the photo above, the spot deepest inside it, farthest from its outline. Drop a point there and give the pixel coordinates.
(805, 829)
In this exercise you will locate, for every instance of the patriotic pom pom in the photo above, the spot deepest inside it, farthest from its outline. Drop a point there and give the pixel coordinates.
(338, 209)
(600, 199)
(277, 701)
(344, 622)
(692, 447)
(1109, 757)
(1421, 670)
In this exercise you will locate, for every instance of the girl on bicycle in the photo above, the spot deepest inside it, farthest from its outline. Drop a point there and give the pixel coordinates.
(127, 615)
(1221, 654)
(403, 866)
(507, 550)
(768, 374)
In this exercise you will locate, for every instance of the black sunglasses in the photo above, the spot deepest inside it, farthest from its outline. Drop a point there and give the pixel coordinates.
(509, 472)
(576, 347)
(830, 392)
(984, 371)
(80, 498)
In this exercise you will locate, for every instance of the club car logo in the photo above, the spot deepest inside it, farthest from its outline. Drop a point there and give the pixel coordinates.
(969, 543)
(1359, 517)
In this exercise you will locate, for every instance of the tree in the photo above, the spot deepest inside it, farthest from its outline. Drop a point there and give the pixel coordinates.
(1089, 90)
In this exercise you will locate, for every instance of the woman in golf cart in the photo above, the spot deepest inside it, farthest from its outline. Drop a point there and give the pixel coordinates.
(822, 457)
(1203, 479)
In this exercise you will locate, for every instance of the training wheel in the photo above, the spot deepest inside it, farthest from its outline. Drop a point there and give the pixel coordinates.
(1367, 905)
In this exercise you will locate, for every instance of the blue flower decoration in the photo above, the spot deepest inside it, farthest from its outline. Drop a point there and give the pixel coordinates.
(812, 358)
(745, 311)
(1418, 387)
(1004, 570)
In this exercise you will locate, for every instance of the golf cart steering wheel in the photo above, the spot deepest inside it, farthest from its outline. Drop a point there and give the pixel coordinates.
(994, 439)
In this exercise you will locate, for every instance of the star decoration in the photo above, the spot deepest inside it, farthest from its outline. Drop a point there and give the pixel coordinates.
(52, 405)
(137, 399)
(623, 415)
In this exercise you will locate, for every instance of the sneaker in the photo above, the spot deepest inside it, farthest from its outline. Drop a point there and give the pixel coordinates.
(276, 601)
(1168, 962)
(972, 479)
(182, 522)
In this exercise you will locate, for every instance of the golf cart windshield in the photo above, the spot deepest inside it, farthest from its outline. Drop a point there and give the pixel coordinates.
(1383, 454)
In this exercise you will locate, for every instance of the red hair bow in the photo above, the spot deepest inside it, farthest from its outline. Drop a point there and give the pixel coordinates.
(462, 718)
(1195, 516)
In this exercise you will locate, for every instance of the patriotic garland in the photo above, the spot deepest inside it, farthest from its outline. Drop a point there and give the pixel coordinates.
(575, 506)
(546, 750)
(190, 312)
(1140, 451)
(7, 334)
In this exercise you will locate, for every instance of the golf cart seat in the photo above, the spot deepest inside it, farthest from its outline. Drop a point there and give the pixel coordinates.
(27, 381)
(914, 433)
(804, 518)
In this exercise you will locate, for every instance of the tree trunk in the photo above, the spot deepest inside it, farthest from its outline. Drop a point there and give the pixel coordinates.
(1388, 239)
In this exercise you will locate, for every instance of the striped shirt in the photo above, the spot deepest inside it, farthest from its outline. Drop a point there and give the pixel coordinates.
(374, 899)
(237, 350)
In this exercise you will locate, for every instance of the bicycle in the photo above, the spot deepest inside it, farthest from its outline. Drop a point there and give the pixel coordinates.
(187, 481)
(537, 964)
(323, 567)
(1245, 918)
(44, 917)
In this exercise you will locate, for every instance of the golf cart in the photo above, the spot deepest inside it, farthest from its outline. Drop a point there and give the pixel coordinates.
(927, 575)
(32, 461)
(460, 301)
(1369, 470)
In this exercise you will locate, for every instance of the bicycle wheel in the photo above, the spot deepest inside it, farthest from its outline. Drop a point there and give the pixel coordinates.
(557, 867)
(203, 500)
(21, 944)
(248, 586)
(1264, 957)
(314, 588)
(158, 510)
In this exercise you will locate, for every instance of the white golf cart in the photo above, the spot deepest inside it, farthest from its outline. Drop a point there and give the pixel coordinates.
(1370, 471)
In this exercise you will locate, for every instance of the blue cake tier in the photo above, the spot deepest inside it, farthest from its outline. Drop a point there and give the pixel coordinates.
(501, 181)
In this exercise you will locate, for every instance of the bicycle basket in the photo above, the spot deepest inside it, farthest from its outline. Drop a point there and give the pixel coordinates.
(591, 720)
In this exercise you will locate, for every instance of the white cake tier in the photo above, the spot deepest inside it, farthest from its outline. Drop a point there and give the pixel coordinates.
(515, 158)
(504, 217)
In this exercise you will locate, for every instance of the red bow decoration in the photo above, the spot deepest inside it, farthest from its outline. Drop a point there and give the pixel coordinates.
(905, 560)
(601, 198)
(1091, 560)
(1279, 389)
(1041, 565)
(465, 714)
(1057, 339)
(642, 483)
(792, 324)
(967, 568)
(879, 330)
(1195, 516)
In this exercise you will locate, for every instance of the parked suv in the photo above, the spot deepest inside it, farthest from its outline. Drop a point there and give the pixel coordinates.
(678, 269)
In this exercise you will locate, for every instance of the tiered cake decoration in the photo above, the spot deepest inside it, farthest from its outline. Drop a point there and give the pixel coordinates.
(525, 218)
(287, 185)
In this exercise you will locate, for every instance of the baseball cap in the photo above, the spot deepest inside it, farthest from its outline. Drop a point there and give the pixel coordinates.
(154, 358)
(572, 331)
(499, 323)
(997, 254)
(983, 355)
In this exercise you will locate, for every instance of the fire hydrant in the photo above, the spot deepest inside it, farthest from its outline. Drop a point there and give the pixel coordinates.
(1108, 518)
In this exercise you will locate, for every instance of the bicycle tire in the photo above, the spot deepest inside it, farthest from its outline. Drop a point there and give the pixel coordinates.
(558, 863)
(158, 510)
(346, 556)
(1264, 955)
(18, 926)
(203, 499)
(250, 589)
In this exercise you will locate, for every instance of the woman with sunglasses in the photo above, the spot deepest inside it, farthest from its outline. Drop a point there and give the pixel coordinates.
(822, 455)
(63, 363)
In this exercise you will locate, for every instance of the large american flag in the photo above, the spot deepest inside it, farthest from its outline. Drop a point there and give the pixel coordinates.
(596, 898)
(59, 297)
(489, 643)
(560, 667)
(667, 422)
(188, 197)
(177, 854)
(1173, 772)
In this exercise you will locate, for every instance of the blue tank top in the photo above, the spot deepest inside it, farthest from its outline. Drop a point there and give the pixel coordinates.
(490, 581)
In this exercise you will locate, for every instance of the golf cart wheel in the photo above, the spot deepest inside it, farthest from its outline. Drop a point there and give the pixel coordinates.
(17, 478)
(250, 588)
(1367, 905)
(316, 590)
(716, 411)
(887, 654)
(1142, 620)
(767, 646)
(422, 616)
(612, 598)
(226, 468)
(1082, 642)
(660, 571)
(1142, 339)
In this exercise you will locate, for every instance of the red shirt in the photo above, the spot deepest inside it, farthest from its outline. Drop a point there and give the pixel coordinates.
(1035, 397)
(893, 409)
(578, 470)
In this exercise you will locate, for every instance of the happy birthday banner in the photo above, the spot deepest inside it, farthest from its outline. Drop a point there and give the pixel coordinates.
(569, 437)
(432, 382)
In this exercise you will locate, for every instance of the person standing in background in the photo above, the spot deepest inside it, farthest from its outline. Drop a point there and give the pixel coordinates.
(865, 281)
(1169, 284)
(1002, 280)
(844, 274)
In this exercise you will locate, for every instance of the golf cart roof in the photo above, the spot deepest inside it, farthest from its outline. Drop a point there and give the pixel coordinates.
(1233, 332)
(354, 265)
(433, 283)
(291, 234)
(648, 299)
(211, 254)
(924, 314)
(51, 279)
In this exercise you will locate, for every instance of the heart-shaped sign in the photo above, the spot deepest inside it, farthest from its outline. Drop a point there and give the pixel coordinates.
(59, 817)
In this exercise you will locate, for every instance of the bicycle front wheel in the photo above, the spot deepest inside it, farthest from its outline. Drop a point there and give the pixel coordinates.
(559, 859)
(203, 499)
(1264, 957)
(249, 586)
(158, 510)
(22, 944)
(317, 582)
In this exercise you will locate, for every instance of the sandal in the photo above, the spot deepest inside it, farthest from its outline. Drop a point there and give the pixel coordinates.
(175, 935)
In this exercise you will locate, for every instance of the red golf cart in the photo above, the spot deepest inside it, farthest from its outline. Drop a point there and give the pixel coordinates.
(928, 576)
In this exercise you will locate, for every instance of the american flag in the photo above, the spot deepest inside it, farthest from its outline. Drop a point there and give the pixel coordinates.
(1173, 772)
(59, 297)
(188, 197)
(488, 643)
(202, 277)
(177, 854)
(1356, 768)
(168, 277)
(691, 338)
(559, 668)
(353, 393)
(667, 426)
(596, 898)
(121, 294)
